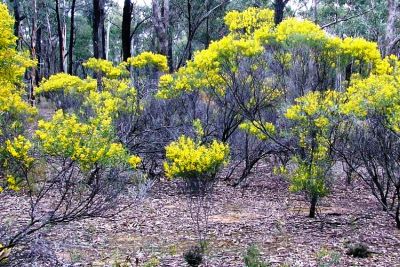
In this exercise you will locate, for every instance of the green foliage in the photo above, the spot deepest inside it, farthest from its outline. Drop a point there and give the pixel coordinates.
(152, 262)
(326, 258)
(358, 251)
(252, 258)
(194, 256)
(314, 118)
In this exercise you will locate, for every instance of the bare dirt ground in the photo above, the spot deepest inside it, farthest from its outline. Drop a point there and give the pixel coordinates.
(264, 213)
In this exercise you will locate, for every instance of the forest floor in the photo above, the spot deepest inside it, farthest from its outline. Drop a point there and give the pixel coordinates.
(263, 213)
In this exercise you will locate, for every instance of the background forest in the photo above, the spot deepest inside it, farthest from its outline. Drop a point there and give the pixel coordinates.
(199, 133)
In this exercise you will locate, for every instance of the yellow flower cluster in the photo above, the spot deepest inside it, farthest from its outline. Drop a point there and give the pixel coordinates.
(117, 94)
(312, 118)
(188, 159)
(117, 97)
(249, 20)
(293, 29)
(252, 31)
(11, 100)
(149, 59)
(106, 67)
(316, 105)
(13, 65)
(87, 143)
(361, 49)
(375, 95)
(205, 70)
(19, 148)
(10, 183)
(261, 130)
(67, 83)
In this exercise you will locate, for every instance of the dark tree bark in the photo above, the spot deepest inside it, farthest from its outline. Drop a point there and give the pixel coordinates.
(99, 32)
(279, 7)
(126, 29)
(190, 30)
(60, 32)
(17, 23)
(313, 206)
(71, 38)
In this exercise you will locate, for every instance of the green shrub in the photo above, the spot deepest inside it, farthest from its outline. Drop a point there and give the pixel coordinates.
(194, 256)
(252, 258)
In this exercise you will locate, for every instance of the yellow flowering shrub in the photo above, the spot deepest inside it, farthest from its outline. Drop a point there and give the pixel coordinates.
(117, 95)
(88, 143)
(67, 83)
(19, 148)
(149, 59)
(189, 159)
(249, 20)
(13, 65)
(206, 69)
(376, 95)
(314, 118)
(296, 30)
(252, 35)
(14, 109)
(261, 130)
(17, 154)
(361, 49)
(105, 67)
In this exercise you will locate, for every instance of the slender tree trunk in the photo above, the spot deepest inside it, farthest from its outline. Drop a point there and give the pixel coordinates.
(39, 56)
(126, 29)
(98, 29)
(313, 206)
(51, 64)
(315, 11)
(71, 38)
(208, 38)
(190, 31)
(61, 36)
(17, 23)
(107, 45)
(33, 54)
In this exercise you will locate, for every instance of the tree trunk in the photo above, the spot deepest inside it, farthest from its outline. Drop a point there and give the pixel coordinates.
(39, 55)
(33, 54)
(160, 10)
(390, 33)
(98, 29)
(61, 37)
(107, 46)
(190, 31)
(315, 11)
(208, 38)
(17, 23)
(279, 7)
(313, 206)
(126, 29)
(71, 38)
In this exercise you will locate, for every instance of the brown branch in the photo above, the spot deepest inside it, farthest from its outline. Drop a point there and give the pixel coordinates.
(345, 19)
